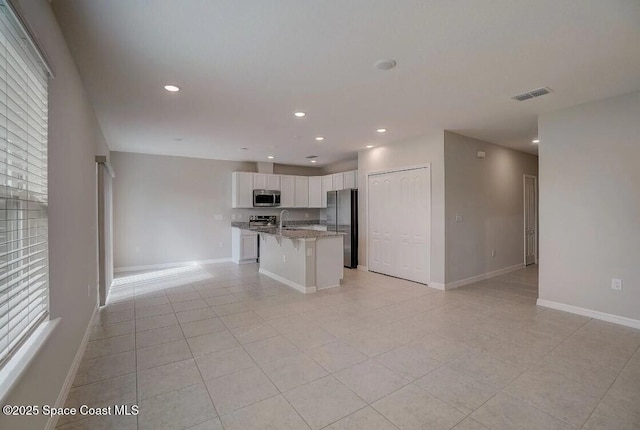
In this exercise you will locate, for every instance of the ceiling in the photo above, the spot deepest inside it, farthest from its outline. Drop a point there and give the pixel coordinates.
(245, 66)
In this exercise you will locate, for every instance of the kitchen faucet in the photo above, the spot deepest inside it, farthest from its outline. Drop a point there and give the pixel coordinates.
(282, 214)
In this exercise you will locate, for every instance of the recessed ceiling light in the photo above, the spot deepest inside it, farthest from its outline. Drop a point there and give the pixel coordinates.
(178, 139)
(319, 138)
(270, 157)
(369, 146)
(313, 161)
(381, 130)
(171, 88)
(386, 64)
(244, 148)
(535, 141)
(299, 114)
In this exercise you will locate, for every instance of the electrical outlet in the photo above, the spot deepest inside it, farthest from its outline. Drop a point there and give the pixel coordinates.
(493, 252)
(458, 217)
(239, 217)
(233, 217)
(306, 214)
(616, 284)
(217, 217)
(284, 258)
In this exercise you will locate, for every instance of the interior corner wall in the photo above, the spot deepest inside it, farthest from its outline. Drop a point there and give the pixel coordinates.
(412, 152)
(164, 208)
(488, 194)
(75, 138)
(590, 205)
(340, 166)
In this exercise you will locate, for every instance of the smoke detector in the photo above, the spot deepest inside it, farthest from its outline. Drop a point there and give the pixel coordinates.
(532, 94)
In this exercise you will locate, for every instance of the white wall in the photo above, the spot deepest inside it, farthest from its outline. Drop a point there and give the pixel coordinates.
(75, 139)
(420, 150)
(590, 205)
(488, 194)
(164, 208)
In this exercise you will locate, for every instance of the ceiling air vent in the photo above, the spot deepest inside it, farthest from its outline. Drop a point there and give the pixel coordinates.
(532, 94)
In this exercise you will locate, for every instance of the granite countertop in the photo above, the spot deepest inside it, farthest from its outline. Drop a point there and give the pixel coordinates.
(298, 233)
(245, 225)
(289, 231)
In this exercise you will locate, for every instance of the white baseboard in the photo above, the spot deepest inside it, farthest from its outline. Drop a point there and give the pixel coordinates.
(488, 275)
(288, 283)
(168, 265)
(616, 319)
(71, 375)
(436, 285)
(363, 268)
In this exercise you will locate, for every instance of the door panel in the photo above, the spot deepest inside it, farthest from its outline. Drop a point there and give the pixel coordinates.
(530, 219)
(399, 224)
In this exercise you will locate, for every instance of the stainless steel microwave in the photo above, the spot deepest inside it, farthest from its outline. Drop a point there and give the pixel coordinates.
(266, 198)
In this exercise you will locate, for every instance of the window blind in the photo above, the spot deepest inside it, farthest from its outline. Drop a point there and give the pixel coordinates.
(24, 261)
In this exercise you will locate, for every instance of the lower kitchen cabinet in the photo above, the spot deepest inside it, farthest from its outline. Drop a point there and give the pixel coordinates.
(244, 246)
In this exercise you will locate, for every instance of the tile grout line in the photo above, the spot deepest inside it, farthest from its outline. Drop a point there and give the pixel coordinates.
(611, 385)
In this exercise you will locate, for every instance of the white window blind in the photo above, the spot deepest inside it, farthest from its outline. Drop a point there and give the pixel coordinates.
(24, 267)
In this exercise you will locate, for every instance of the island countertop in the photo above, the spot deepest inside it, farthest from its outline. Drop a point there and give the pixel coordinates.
(288, 232)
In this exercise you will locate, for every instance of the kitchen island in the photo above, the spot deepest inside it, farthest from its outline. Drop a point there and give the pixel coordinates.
(306, 260)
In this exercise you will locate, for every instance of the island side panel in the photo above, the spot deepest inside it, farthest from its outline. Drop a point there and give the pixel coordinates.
(329, 262)
(286, 260)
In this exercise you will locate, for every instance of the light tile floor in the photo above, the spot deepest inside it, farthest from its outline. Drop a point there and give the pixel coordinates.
(222, 347)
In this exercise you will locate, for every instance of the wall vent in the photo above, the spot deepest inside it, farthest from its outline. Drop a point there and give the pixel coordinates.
(532, 94)
(311, 156)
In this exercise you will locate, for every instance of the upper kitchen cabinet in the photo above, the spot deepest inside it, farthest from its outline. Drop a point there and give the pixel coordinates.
(301, 192)
(266, 181)
(350, 179)
(327, 185)
(338, 181)
(242, 190)
(315, 192)
(287, 191)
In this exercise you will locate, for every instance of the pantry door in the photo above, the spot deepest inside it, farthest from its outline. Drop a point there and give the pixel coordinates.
(399, 220)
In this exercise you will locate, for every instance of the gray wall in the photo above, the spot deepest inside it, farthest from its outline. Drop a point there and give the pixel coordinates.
(74, 140)
(165, 207)
(420, 150)
(488, 193)
(340, 166)
(590, 205)
(284, 169)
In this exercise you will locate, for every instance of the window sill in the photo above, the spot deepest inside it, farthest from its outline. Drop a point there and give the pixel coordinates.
(13, 370)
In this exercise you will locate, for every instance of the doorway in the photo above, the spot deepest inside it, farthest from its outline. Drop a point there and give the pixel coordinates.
(105, 227)
(530, 219)
(399, 223)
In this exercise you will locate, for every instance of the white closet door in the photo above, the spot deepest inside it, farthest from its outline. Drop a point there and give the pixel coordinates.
(399, 224)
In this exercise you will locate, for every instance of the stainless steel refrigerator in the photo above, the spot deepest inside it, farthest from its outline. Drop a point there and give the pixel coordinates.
(342, 216)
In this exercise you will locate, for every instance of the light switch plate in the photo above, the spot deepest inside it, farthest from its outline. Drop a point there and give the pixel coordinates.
(616, 284)
(458, 217)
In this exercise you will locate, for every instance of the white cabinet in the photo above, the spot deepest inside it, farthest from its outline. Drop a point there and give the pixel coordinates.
(315, 192)
(327, 185)
(244, 246)
(338, 181)
(350, 179)
(296, 191)
(287, 191)
(266, 181)
(242, 190)
(301, 199)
